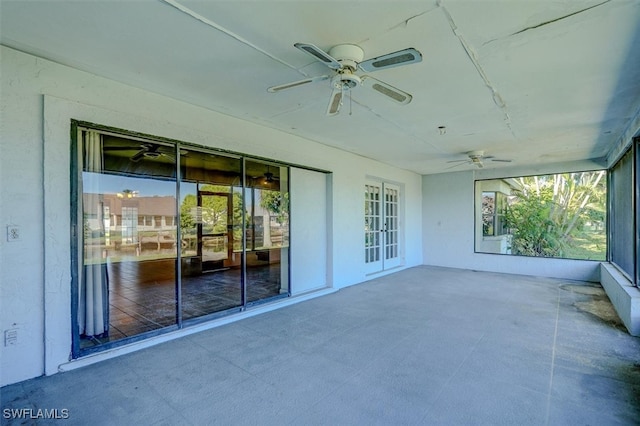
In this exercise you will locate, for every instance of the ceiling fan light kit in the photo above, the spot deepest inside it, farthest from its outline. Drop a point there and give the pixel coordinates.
(345, 60)
(345, 81)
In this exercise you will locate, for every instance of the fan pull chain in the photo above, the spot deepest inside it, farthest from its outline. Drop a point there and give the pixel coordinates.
(350, 103)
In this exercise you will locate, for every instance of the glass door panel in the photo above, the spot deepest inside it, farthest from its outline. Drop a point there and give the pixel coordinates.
(267, 232)
(127, 279)
(213, 237)
(372, 227)
(211, 213)
(391, 226)
(382, 230)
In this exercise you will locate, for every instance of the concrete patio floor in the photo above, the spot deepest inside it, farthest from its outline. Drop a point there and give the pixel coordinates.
(425, 345)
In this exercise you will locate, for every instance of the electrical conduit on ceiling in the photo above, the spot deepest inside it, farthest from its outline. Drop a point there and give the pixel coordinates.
(231, 34)
(497, 99)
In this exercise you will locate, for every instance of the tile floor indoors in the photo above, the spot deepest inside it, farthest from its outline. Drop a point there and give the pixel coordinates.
(422, 346)
(141, 304)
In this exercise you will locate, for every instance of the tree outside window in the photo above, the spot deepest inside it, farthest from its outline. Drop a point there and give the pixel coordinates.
(560, 215)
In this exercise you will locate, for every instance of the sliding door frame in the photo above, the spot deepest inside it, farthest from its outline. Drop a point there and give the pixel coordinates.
(77, 127)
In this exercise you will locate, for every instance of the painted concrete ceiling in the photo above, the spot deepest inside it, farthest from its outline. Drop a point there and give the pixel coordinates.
(528, 81)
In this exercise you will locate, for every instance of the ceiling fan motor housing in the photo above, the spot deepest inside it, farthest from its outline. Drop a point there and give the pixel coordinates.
(349, 55)
(475, 156)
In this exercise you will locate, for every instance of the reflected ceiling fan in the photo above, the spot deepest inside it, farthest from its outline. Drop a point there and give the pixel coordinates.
(146, 150)
(344, 60)
(476, 158)
(269, 177)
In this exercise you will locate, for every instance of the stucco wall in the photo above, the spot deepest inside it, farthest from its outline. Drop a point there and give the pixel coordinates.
(39, 98)
(448, 226)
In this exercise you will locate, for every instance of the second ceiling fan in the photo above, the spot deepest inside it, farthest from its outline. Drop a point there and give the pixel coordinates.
(344, 60)
(476, 158)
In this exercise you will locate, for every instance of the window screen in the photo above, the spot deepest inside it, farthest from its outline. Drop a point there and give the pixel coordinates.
(622, 244)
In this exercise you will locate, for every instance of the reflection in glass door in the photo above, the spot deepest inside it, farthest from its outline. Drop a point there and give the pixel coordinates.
(213, 238)
(168, 234)
(267, 232)
(126, 283)
(211, 218)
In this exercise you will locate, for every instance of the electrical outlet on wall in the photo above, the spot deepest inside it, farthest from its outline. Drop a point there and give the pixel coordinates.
(11, 337)
(13, 233)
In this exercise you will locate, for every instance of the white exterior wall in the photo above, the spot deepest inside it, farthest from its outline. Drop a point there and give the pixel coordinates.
(39, 98)
(448, 226)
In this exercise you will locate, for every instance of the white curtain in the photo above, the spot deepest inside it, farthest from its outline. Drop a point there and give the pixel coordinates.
(93, 304)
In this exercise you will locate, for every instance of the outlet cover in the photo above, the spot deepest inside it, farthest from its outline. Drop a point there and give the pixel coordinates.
(13, 233)
(11, 337)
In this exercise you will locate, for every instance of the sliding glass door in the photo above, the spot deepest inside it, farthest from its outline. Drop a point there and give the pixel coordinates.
(267, 234)
(169, 234)
(128, 229)
(210, 228)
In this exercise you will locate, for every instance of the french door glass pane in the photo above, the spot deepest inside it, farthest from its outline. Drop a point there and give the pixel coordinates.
(391, 219)
(372, 222)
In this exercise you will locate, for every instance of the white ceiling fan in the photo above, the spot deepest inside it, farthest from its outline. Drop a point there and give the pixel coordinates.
(476, 158)
(344, 60)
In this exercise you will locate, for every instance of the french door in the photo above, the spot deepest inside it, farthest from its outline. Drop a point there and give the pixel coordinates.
(382, 224)
(214, 235)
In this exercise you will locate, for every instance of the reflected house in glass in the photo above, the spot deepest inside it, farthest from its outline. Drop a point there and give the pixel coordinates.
(136, 224)
(491, 198)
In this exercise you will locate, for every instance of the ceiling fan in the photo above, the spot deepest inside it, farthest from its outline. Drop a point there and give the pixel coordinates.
(344, 60)
(146, 150)
(476, 158)
(269, 177)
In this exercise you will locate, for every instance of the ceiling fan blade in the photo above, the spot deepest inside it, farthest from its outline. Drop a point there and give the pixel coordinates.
(335, 102)
(497, 160)
(274, 89)
(120, 148)
(390, 60)
(389, 91)
(138, 155)
(458, 161)
(319, 54)
(457, 165)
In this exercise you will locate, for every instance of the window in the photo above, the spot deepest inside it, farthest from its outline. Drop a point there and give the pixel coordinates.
(129, 228)
(145, 220)
(493, 209)
(561, 215)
